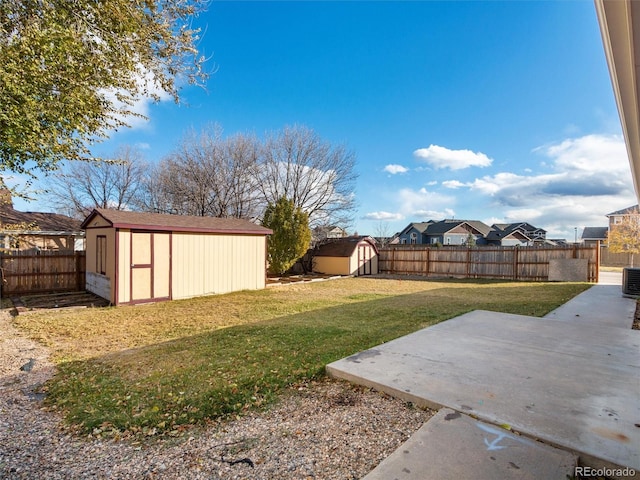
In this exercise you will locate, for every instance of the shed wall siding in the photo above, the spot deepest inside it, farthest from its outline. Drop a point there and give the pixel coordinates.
(332, 265)
(124, 266)
(91, 236)
(364, 261)
(353, 263)
(161, 265)
(205, 264)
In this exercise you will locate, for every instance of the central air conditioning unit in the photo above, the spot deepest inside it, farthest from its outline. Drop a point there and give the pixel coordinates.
(631, 281)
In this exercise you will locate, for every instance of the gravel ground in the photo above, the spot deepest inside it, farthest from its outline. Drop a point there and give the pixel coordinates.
(323, 430)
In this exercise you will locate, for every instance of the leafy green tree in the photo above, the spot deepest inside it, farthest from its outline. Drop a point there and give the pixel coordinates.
(291, 234)
(625, 236)
(71, 71)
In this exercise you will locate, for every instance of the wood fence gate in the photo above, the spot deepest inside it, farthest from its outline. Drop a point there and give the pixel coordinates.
(46, 271)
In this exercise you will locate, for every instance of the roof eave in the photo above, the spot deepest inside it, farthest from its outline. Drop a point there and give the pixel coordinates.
(163, 228)
(618, 26)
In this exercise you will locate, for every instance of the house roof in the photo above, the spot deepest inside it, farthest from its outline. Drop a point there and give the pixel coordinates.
(527, 227)
(419, 226)
(595, 233)
(176, 223)
(445, 226)
(501, 234)
(342, 247)
(43, 222)
(633, 210)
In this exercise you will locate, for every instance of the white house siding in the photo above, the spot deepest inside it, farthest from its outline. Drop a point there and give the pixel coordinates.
(204, 264)
(456, 239)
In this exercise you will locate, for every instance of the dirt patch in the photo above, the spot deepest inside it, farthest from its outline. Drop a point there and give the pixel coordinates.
(288, 279)
(636, 318)
(56, 301)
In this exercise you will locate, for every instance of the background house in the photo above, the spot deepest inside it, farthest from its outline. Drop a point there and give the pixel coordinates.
(444, 232)
(594, 236)
(616, 218)
(36, 230)
(460, 232)
(519, 233)
(346, 256)
(139, 257)
(506, 238)
(321, 233)
(413, 234)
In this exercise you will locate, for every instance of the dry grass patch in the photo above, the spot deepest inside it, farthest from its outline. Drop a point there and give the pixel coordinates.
(154, 368)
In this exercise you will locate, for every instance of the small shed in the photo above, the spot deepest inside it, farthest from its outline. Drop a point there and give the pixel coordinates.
(347, 256)
(135, 257)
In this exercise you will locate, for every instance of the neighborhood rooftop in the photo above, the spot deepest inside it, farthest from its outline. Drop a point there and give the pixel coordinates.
(184, 223)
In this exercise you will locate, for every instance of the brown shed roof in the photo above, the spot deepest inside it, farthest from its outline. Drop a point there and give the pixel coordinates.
(176, 223)
(341, 247)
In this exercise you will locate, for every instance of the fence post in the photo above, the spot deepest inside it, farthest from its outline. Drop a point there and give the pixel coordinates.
(515, 263)
(597, 261)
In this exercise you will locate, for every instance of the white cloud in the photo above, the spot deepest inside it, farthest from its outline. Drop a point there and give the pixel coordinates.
(394, 168)
(140, 107)
(589, 177)
(590, 154)
(453, 184)
(423, 203)
(383, 216)
(441, 157)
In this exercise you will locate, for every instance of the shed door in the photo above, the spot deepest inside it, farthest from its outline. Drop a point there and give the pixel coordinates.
(150, 266)
(364, 260)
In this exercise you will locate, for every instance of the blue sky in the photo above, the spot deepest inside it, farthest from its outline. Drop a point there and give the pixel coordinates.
(492, 111)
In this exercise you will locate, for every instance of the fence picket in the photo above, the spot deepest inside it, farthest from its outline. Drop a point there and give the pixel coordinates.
(512, 263)
(42, 272)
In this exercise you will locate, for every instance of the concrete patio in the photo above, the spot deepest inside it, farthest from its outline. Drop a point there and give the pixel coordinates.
(570, 380)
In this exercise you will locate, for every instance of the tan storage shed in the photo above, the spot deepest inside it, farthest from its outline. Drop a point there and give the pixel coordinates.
(347, 256)
(135, 257)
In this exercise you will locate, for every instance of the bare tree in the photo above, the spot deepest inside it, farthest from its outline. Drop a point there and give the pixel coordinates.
(382, 233)
(297, 164)
(207, 176)
(83, 186)
(151, 196)
(238, 176)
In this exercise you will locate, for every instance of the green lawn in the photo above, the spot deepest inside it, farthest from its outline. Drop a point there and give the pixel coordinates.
(153, 369)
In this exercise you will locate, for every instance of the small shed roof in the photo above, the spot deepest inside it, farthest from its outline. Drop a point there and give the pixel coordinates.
(175, 223)
(342, 247)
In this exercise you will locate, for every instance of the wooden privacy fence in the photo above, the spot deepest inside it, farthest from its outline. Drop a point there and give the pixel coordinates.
(610, 259)
(512, 263)
(42, 272)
